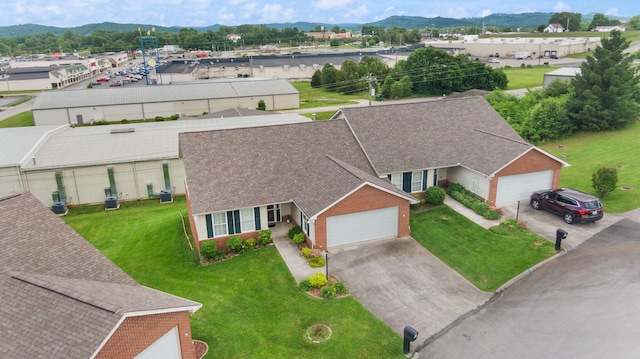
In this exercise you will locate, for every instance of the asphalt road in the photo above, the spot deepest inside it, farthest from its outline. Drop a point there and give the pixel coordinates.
(584, 304)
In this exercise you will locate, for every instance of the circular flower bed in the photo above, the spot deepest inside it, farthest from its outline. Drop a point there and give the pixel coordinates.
(318, 333)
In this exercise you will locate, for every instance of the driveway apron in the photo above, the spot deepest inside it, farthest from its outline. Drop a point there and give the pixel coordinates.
(403, 284)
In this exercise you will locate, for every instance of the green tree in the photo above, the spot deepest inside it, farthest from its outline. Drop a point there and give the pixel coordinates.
(401, 88)
(548, 120)
(598, 20)
(570, 20)
(634, 22)
(604, 180)
(329, 76)
(262, 106)
(606, 92)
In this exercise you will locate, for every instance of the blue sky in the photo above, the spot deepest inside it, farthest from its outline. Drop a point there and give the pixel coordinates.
(193, 13)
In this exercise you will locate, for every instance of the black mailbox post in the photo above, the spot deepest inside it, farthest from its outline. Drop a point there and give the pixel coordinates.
(560, 235)
(410, 335)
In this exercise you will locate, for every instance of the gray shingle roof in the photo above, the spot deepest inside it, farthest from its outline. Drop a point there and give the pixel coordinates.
(150, 94)
(60, 296)
(416, 136)
(303, 163)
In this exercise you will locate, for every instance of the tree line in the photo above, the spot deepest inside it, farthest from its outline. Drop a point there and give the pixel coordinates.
(427, 71)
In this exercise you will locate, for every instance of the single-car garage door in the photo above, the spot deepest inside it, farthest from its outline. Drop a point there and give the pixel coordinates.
(362, 226)
(519, 187)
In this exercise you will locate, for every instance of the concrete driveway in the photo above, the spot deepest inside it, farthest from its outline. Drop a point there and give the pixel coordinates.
(546, 223)
(402, 283)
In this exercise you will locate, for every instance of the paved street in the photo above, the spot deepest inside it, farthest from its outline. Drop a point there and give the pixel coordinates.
(580, 305)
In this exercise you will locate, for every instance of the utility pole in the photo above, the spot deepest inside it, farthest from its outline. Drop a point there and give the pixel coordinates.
(370, 78)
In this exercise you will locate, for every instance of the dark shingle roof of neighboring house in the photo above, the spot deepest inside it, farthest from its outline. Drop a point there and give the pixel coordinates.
(469, 93)
(61, 298)
(312, 164)
(415, 136)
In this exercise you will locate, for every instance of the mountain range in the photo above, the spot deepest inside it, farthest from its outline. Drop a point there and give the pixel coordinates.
(525, 21)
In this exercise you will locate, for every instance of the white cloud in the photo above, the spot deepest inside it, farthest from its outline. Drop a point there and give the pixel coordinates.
(54, 10)
(561, 7)
(612, 12)
(457, 12)
(484, 13)
(275, 13)
(236, 2)
(357, 13)
(389, 9)
(331, 4)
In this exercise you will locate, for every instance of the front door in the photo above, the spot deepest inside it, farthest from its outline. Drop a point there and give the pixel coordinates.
(273, 214)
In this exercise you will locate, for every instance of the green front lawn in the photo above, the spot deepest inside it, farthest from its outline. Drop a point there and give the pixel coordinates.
(486, 259)
(252, 307)
(586, 152)
(20, 120)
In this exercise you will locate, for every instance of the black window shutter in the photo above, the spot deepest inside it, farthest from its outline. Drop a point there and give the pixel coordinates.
(424, 179)
(406, 182)
(236, 220)
(230, 222)
(256, 212)
(209, 221)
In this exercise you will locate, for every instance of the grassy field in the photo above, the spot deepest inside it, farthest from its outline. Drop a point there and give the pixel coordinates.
(20, 120)
(586, 152)
(317, 97)
(526, 77)
(484, 258)
(320, 115)
(252, 307)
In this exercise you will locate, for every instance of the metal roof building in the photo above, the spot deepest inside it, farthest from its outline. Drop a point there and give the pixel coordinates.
(149, 102)
(41, 159)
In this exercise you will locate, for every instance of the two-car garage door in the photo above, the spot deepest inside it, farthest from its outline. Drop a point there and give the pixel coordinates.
(362, 226)
(518, 187)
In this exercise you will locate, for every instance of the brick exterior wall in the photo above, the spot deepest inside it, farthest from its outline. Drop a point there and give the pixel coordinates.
(533, 161)
(365, 199)
(135, 334)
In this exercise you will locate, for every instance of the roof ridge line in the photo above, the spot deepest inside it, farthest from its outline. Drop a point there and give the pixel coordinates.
(503, 137)
(65, 291)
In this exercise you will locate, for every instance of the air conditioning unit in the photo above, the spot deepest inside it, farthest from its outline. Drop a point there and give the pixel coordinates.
(59, 207)
(165, 196)
(111, 202)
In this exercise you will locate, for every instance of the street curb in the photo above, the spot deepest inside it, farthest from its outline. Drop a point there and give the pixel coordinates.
(529, 271)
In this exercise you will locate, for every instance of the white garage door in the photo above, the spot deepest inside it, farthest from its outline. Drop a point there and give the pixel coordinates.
(519, 187)
(167, 347)
(362, 226)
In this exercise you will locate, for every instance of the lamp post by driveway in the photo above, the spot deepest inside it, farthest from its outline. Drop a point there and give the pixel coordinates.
(326, 263)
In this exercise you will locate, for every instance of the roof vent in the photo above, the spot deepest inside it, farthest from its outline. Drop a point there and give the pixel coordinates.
(123, 130)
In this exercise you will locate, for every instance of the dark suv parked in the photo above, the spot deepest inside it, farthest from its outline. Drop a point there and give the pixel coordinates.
(572, 205)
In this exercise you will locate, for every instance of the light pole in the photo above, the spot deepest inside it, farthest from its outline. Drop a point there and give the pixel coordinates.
(326, 263)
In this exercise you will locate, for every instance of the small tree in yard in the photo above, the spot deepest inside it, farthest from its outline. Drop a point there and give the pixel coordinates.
(604, 180)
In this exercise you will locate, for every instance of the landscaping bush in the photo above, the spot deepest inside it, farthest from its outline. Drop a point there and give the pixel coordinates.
(456, 187)
(234, 243)
(209, 249)
(475, 203)
(124, 121)
(306, 252)
(493, 214)
(264, 237)
(604, 180)
(318, 280)
(316, 262)
(434, 195)
(251, 243)
(328, 292)
(293, 231)
(305, 285)
(261, 105)
(340, 287)
(299, 238)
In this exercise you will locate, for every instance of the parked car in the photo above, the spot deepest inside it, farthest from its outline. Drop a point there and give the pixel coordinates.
(115, 84)
(573, 205)
(493, 60)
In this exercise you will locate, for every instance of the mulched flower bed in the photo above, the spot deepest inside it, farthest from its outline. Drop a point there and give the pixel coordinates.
(201, 348)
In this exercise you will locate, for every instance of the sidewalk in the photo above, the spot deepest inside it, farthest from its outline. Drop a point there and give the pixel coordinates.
(470, 214)
(298, 266)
